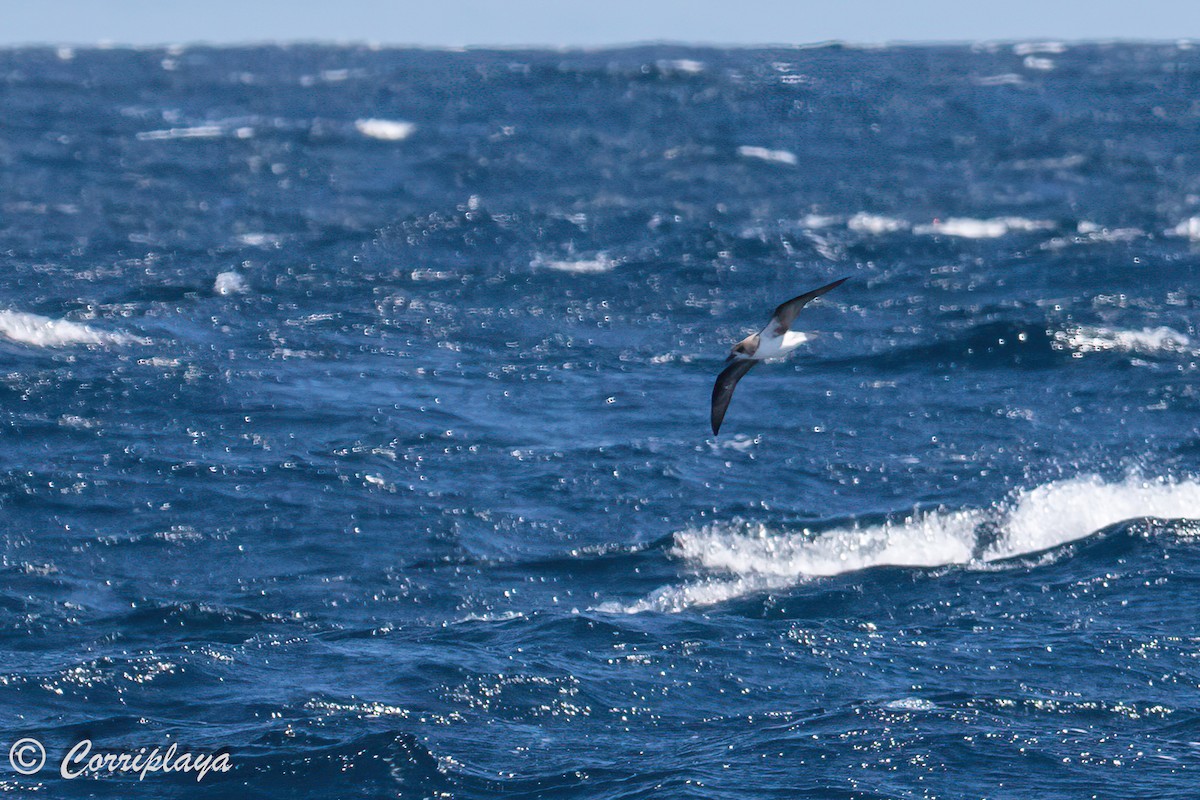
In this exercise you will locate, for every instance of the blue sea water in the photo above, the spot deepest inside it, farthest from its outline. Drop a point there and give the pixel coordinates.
(355, 421)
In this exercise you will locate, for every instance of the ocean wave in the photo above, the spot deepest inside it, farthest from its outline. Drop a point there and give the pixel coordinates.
(259, 239)
(990, 345)
(583, 266)
(1086, 231)
(766, 154)
(686, 66)
(228, 283)
(39, 331)
(1188, 228)
(994, 228)
(195, 132)
(1034, 48)
(1003, 79)
(863, 222)
(390, 759)
(1065, 511)
(740, 559)
(387, 130)
(1083, 339)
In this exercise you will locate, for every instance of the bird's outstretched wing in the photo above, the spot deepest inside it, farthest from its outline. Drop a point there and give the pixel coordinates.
(786, 313)
(723, 389)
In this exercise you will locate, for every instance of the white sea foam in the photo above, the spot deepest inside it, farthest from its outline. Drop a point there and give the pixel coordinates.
(229, 283)
(1100, 233)
(910, 704)
(1003, 79)
(1088, 232)
(733, 560)
(39, 331)
(259, 239)
(1065, 511)
(388, 130)
(874, 223)
(585, 266)
(968, 228)
(685, 65)
(817, 221)
(1032, 48)
(1189, 227)
(776, 156)
(196, 132)
(1039, 63)
(1147, 341)
(1069, 161)
(741, 443)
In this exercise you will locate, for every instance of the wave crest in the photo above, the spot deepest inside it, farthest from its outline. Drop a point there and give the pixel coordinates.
(39, 331)
(739, 559)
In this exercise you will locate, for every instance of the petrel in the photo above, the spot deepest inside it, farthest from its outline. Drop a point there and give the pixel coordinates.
(773, 341)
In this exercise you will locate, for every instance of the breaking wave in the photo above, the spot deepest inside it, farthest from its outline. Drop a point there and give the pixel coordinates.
(767, 154)
(387, 130)
(737, 559)
(39, 331)
(1147, 341)
(968, 228)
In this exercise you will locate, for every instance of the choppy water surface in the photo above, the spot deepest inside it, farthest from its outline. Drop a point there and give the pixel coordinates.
(355, 420)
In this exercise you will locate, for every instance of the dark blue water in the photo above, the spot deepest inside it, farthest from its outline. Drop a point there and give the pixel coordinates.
(355, 421)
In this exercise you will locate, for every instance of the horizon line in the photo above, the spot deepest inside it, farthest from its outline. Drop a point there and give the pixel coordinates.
(618, 45)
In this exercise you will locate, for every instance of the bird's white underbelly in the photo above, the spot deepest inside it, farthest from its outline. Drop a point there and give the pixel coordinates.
(771, 346)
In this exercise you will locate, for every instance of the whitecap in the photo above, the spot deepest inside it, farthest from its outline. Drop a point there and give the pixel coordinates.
(39, 331)
(1090, 232)
(1069, 161)
(818, 221)
(741, 442)
(765, 154)
(259, 239)
(758, 559)
(738, 559)
(196, 132)
(1032, 48)
(228, 283)
(1083, 339)
(687, 66)
(1038, 63)
(1100, 233)
(1065, 511)
(1189, 228)
(863, 222)
(387, 130)
(1003, 79)
(587, 266)
(969, 228)
(910, 704)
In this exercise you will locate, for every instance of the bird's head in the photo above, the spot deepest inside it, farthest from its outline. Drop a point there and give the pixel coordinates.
(744, 349)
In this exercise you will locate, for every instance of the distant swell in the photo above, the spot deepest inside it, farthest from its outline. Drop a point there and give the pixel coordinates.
(737, 559)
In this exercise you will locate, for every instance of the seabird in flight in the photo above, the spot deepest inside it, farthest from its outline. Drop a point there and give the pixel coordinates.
(773, 341)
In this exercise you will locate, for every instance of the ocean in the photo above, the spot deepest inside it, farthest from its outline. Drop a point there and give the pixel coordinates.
(355, 422)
